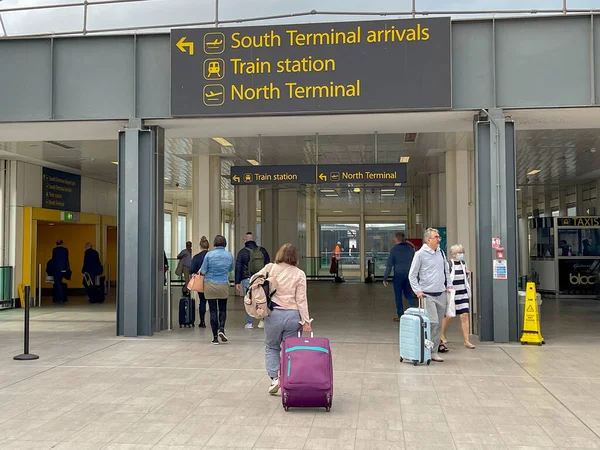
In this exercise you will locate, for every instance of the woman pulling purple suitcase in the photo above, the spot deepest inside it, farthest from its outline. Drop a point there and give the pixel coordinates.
(290, 309)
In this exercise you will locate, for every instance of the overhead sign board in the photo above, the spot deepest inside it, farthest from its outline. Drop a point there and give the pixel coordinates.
(383, 65)
(61, 190)
(579, 221)
(300, 174)
(321, 174)
(361, 173)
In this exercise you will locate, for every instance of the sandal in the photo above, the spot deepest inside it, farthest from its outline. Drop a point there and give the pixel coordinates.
(442, 348)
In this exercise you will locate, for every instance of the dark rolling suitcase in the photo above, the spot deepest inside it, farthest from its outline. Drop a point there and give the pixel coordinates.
(94, 291)
(187, 312)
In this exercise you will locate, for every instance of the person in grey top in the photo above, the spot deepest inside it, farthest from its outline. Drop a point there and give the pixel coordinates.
(429, 277)
(185, 263)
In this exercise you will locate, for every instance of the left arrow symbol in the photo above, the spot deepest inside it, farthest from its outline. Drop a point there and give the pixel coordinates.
(322, 177)
(236, 179)
(184, 46)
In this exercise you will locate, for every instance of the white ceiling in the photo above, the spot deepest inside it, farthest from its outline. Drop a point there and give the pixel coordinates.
(558, 142)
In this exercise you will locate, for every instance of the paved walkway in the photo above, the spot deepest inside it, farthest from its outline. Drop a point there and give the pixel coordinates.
(91, 390)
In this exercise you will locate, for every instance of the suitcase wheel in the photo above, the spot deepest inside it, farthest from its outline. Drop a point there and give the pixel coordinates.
(428, 361)
(286, 408)
(328, 408)
(415, 363)
(401, 359)
(179, 325)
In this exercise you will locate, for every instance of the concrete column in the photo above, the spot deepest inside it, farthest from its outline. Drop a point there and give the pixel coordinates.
(269, 199)
(312, 231)
(547, 202)
(580, 204)
(292, 220)
(496, 208)
(452, 206)
(442, 208)
(362, 250)
(433, 216)
(562, 202)
(175, 229)
(245, 213)
(206, 197)
(523, 246)
(141, 306)
(214, 211)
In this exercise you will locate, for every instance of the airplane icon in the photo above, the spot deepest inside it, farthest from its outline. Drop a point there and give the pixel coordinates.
(213, 95)
(214, 43)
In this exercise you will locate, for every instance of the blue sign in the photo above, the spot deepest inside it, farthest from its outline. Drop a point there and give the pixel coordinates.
(61, 190)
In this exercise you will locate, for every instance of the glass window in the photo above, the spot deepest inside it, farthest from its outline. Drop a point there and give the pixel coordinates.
(347, 234)
(572, 211)
(380, 238)
(167, 235)
(578, 242)
(181, 232)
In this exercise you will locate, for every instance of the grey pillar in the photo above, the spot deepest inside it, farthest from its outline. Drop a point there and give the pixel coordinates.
(496, 207)
(141, 306)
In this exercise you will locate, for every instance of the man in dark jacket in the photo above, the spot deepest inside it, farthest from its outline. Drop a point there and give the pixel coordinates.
(249, 261)
(61, 269)
(400, 260)
(93, 267)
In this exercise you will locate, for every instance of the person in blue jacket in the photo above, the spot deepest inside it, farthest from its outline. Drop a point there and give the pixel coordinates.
(400, 260)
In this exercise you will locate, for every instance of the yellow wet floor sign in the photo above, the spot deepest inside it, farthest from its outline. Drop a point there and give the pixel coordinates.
(532, 333)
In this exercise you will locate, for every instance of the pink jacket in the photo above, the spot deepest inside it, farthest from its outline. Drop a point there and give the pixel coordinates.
(291, 288)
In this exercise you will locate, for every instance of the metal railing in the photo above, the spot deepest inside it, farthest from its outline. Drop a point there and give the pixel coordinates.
(413, 12)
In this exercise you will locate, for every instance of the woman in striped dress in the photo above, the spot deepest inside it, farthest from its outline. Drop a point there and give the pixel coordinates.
(462, 289)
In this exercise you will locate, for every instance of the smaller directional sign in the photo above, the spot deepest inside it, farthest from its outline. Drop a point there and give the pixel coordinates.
(361, 173)
(300, 174)
(185, 46)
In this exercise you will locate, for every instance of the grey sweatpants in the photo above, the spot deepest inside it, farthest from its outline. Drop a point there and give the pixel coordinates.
(279, 325)
(436, 310)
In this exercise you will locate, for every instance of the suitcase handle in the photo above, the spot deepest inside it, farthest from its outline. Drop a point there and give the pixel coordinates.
(300, 330)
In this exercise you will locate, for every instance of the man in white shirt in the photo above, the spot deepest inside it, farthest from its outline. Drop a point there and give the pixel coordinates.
(429, 277)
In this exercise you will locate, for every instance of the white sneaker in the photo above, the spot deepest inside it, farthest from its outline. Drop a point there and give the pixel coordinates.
(261, 324)
(437, 358)
(248, 326)
(274, 389)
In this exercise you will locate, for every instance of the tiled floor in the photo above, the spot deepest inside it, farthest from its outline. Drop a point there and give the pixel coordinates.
(92, 390)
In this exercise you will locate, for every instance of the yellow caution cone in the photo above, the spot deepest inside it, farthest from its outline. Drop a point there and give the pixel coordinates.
(532, 334)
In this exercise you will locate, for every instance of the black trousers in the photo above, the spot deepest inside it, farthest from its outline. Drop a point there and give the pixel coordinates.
(59, 292)
(202, 306)
(218, 314)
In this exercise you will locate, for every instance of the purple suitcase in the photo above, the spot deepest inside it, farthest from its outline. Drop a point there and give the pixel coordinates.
(306, 373)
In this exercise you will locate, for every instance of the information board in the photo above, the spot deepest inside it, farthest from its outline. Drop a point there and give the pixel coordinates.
(361, 173)
(301, 174)
(382, 65)
(61, 190)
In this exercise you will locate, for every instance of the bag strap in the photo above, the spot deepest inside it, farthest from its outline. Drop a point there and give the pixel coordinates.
(445, 266)
(278, 279)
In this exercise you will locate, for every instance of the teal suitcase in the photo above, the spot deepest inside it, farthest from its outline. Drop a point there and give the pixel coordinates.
(415, 337)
